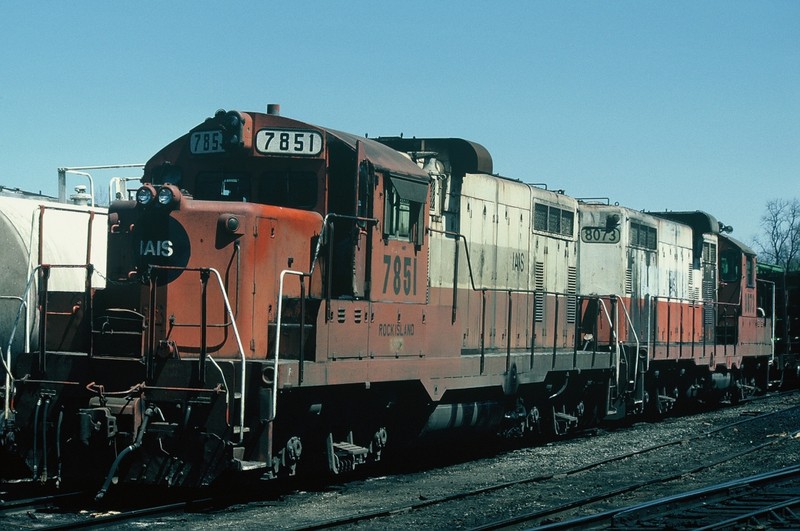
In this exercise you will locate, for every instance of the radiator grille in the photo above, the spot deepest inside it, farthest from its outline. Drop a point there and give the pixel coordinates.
(538, 297)
(572, 290)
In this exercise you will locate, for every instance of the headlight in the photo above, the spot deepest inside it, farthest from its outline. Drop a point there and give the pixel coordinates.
(165, 196)
(145, 194)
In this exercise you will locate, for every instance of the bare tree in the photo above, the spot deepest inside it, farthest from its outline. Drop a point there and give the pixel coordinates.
(780, 246)
(780, 241)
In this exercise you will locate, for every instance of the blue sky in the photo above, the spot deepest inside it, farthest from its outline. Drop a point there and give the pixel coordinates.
(680, 105)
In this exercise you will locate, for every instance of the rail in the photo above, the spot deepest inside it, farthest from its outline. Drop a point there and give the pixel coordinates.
(719, 325)
(571, 314)
(618, 302)
(42, 270)
(327, 234)
(81, 170)
(772, 321)
(613, 329)
(712, 328)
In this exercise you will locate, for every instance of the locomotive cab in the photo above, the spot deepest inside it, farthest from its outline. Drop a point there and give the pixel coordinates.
(738, 321)
(256, 247)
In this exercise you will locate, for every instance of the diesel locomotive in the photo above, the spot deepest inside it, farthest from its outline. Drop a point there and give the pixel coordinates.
(281, 297)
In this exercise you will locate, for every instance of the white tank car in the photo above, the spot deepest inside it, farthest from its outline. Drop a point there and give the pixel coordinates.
(34, 230)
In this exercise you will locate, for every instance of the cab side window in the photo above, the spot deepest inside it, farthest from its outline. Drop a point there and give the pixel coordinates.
(751, 272)
(403, 209)
(729, 267)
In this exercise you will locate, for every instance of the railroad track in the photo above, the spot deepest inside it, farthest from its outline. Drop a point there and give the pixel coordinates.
(764, 501)
(494, 492)
(538, 517)
(373, 517)
(36, 503)
(104, 519)
(75, 510)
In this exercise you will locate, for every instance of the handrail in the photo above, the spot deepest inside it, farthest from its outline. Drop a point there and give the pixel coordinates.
(485, 289)
(458, 236)
(7, 361)
(772, 322)
(635, 335)
(325, 222)
(614, 335)
(618, 301)
(238, 338)
(23, 300)
(62, 177)
(274, 405)
(325, 234)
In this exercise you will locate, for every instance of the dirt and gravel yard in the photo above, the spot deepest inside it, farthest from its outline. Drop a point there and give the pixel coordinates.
(302, 505)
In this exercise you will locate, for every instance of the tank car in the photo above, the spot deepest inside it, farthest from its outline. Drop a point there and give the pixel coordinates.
(284, 296)
(47, 246)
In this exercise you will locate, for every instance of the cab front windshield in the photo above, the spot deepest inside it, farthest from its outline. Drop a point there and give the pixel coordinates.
(293, 189)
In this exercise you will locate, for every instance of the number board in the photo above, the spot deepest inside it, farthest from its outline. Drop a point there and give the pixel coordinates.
(289, 142)
(600, 235)
(401, 275)
(203, 142)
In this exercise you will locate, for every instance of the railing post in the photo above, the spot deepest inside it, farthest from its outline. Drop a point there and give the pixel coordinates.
(614, 321)
(533, 329)
(654, 334)
(555, 329)
(576, 338)
(680, 334)
(455, 285)
(508, 334)
(151, 324)
(595, 327)
(44, 277)
(669, 323)
(204, 276)
(694, 325)
(89, 305)
(483, 328)
(329, 273)
(705, 331)
(302, 356)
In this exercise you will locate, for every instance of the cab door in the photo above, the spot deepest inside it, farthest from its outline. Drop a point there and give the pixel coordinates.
(400, 269)
(399, 272)
(353, 225)
(363, 227)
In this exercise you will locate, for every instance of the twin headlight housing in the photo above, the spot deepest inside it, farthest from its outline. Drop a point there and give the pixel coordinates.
(167, 195)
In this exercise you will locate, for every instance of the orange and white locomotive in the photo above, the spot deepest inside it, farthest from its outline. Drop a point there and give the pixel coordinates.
(281, 294)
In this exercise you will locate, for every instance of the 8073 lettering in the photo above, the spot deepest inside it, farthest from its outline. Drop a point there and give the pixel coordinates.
(600, 235)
